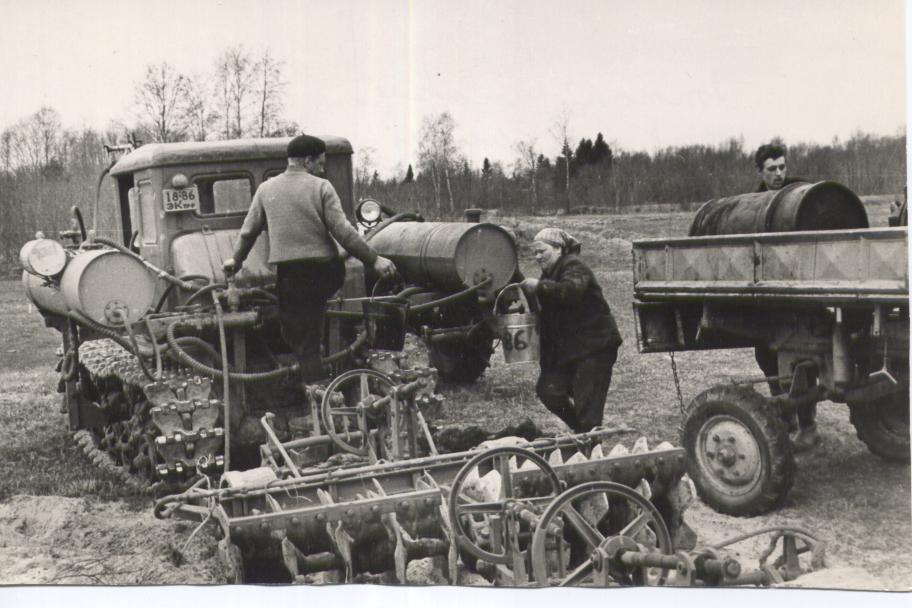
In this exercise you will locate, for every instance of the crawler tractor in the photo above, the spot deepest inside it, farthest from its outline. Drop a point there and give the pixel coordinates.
(167, 364)
(796, 272)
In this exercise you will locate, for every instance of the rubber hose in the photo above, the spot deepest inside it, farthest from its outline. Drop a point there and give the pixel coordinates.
(170, 288)
(170, 278)
(265, 294)
(106, 332)
(186, 359)
(125, 344)
(351, 348)
(204, 290)
(448, 299)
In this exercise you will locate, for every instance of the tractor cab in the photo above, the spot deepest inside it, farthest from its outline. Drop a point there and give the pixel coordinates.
(182, 204)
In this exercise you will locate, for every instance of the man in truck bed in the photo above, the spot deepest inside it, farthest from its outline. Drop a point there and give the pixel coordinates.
(773, 172)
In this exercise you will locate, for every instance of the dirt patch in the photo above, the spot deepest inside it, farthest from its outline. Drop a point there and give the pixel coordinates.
(57, 540)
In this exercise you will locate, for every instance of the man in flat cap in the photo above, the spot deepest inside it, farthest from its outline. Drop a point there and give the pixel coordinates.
(303, 214)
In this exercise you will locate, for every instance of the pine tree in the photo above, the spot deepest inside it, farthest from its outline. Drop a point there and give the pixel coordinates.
(584, 152)
(409, 176)
(601, 152)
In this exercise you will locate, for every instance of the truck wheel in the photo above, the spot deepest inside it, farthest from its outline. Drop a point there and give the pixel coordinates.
(460, 361)
(883, 425)
(739, 455)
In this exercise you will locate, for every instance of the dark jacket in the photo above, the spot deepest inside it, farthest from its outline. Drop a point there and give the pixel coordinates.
(576, 320)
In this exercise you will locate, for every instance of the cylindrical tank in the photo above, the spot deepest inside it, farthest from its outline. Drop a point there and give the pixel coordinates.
(796, 207)
(99, 282)
(449, 255)
(46, 296)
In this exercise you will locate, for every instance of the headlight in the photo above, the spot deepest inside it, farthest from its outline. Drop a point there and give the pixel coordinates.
(44, 257)
(369, 211)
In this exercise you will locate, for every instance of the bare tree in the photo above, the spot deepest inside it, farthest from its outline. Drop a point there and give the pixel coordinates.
(159, 98)
(437, 151)
(33, 142)
(560, 131)
(198, 115)
(234, 78)
(364, 168)
(528, 163)
(269, 89)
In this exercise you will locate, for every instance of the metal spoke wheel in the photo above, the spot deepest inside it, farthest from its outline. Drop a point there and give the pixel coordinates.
(346, 408)
(490, 529)
(581, 535)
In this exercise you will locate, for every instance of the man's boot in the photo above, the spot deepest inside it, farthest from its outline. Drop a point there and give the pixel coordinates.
(808, 438)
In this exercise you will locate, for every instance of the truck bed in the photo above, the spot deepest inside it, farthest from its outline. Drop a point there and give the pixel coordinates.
(844, 267)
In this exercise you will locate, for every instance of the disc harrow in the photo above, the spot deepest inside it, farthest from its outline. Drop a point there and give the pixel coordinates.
(475, 509)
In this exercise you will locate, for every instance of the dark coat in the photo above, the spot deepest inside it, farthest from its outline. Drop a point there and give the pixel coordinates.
(576, 320)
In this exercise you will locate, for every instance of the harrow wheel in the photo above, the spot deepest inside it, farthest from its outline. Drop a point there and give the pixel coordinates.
(501, 517)
(342, 408)
(589, 527)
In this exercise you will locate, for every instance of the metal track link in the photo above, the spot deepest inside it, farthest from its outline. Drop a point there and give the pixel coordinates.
(159, 433)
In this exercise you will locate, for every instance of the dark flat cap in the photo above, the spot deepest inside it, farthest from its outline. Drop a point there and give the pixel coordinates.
(305, 145)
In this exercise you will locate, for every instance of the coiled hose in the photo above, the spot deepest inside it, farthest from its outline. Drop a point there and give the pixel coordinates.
(126, 345)
(202, 368)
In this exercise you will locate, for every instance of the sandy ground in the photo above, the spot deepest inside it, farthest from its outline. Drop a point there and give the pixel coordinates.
(857, 504)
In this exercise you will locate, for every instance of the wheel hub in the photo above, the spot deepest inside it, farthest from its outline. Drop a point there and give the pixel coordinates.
(730, 451)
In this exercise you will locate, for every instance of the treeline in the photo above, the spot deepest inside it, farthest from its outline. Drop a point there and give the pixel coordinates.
(600, 179)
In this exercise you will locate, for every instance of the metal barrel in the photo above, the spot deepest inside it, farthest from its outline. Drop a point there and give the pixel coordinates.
(796, 207)
(449, 255)
(100, 282)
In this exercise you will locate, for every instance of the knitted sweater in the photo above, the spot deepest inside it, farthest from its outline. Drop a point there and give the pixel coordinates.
(302, 214)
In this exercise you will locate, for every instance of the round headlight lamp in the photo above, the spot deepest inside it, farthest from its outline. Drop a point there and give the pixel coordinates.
(369, 211)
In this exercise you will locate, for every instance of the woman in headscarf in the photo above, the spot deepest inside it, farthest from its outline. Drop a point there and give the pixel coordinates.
(579, 337)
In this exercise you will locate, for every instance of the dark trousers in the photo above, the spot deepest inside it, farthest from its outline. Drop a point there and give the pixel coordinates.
(303, 288)
(576, 392)
(768, 362)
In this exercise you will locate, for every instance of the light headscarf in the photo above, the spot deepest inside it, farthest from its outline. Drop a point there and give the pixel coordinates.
(559, 238)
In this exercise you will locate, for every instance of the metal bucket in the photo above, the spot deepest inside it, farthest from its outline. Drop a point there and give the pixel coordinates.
(385, 321)
(518, 332)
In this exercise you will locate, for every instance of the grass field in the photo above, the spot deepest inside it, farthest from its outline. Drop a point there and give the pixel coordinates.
(859, 505)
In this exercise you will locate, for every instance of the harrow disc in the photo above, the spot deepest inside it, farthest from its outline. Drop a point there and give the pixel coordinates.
(583, 532)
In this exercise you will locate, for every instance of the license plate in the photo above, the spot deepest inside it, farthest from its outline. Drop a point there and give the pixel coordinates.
(185, 199)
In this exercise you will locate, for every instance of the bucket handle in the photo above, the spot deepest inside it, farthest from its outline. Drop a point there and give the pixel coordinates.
(522, 296)
(376, 284)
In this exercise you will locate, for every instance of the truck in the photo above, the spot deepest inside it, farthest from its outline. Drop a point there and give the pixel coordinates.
(797, 273)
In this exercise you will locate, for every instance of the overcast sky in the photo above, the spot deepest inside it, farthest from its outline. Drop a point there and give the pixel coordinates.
(646, 73)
